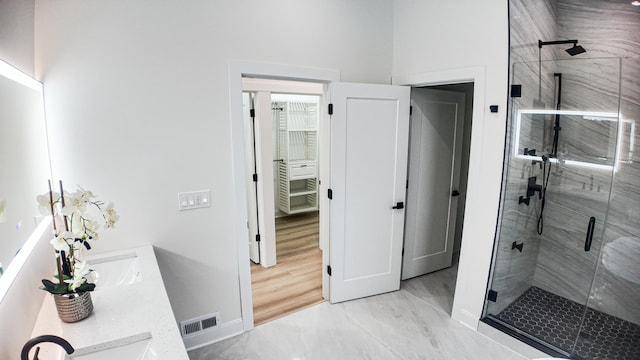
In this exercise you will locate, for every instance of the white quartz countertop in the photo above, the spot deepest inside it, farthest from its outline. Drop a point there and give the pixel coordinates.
(133, 307)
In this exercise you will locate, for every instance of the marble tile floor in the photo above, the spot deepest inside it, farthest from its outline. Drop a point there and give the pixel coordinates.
(412, 323)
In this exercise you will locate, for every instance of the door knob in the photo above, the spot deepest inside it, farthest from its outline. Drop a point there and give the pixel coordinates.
(455, 193)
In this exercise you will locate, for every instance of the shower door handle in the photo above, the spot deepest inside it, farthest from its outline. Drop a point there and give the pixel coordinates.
(589, 239)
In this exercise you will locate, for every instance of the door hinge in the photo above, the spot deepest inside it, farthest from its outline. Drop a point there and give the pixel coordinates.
(330, 109)
(257, 237)
(329, 270)
(255, 177)
(252, 113)
(402, 251)
(330, 194)
(410, 110)
(407, 186)
(492, 295)
(398, 206)
(516, 90)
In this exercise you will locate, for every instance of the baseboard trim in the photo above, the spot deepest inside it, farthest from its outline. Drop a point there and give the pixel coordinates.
(466, 318)
(213, 335)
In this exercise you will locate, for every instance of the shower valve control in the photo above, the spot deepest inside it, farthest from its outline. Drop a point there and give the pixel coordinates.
(532, 187)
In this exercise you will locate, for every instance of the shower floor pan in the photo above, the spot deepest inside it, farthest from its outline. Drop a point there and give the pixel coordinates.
(556, 320)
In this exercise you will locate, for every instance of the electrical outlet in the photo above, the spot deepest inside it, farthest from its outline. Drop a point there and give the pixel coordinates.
(194, 200)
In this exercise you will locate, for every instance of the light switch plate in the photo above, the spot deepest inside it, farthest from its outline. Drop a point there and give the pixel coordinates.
(194, 200)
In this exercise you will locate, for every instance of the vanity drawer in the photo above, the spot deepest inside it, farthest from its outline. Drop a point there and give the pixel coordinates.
(302, 171)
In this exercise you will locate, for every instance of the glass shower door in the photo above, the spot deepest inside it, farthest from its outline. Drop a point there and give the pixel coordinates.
(559, 164)
(611, 326)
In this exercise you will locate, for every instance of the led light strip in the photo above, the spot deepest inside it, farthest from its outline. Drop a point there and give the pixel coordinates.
(586, 115)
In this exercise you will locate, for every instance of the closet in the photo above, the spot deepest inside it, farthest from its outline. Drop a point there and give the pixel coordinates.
(296, 154)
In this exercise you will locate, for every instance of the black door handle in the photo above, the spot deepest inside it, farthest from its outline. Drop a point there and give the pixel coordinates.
(399, 205)
(589, 239)
(455, 193)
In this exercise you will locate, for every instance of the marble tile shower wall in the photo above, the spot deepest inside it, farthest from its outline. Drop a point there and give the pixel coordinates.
(514, 270)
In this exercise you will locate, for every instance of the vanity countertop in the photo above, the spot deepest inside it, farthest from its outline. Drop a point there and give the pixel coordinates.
(122, 311)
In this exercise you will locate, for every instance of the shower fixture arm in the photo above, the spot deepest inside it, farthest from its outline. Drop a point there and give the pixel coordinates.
(573, 50)
(556, 42)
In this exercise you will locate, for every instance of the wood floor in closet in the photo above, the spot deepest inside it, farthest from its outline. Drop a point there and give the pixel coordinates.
(296, 281)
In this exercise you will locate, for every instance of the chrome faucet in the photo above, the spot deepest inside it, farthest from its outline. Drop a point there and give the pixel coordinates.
(24, 355)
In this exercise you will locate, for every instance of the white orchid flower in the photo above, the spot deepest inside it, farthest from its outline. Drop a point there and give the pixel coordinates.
(76, 203)
(91, 228)
(3, 211)
(73, 205)
(44, 202)
(81, 269)
(85, 228)
(76, 282)
(60, 242)
(84, 195)
(78, 248)
(110, 215)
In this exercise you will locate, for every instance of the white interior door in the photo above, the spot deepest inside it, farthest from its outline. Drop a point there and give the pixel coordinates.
(434, 171)
(369, 144)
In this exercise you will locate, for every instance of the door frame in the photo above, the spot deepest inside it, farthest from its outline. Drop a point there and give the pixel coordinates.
(237, 70)
(475, 256)
(259, 87)
(477, 239)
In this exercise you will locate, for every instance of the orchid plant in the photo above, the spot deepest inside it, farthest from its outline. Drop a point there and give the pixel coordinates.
(77, 218)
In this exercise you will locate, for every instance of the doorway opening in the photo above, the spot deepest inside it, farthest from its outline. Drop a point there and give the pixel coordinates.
(440, 138)
(283, 160)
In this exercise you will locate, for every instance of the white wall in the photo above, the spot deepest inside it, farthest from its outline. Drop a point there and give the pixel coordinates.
(137, 100)
(16, 33)
(431, 37)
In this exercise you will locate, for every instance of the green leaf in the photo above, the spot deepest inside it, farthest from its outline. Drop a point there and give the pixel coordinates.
(85, 287)
(54, 288)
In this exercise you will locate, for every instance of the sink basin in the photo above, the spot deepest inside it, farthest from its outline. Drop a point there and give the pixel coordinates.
(115, 270)
(136, 347)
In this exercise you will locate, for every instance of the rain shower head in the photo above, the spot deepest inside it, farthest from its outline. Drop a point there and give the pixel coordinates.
(573, 51)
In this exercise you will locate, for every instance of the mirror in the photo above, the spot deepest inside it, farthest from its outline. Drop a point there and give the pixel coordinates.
(24, 159)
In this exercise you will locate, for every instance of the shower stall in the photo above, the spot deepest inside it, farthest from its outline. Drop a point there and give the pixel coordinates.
(566, 267)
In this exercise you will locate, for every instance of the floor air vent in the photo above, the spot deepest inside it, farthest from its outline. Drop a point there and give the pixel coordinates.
(194, 326)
